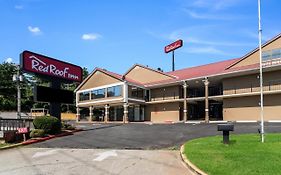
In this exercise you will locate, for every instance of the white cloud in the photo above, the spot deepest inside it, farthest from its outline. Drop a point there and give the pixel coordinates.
(91, 36)
(214, 4)
(266, 35)
(18, 7)
(206, 50)
(212, 16)
(9, 60)
(34, 30)
(190, 35)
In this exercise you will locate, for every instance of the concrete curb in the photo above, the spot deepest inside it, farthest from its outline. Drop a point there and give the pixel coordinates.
(31, 141)
(190, 165)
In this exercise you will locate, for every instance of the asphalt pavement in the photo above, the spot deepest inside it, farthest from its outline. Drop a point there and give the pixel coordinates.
(144, 136)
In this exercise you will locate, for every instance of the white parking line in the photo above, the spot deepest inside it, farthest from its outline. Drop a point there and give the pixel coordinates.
(104, 155)
(45, 153)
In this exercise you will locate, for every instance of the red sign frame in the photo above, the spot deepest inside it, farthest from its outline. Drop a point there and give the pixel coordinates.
(43, 65)
(173, 46)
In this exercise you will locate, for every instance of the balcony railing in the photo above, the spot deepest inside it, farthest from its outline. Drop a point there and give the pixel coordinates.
(254, 87)
(169, 96)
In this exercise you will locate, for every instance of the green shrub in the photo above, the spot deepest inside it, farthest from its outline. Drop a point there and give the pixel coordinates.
(51, 125)
(37, 133)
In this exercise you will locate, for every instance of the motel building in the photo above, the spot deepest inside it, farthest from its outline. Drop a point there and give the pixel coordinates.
(227, 90)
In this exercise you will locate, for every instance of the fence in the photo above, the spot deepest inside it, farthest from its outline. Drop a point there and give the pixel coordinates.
(14, 124)
(273, 85)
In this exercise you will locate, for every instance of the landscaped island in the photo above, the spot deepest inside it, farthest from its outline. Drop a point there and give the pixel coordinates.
(244, 155)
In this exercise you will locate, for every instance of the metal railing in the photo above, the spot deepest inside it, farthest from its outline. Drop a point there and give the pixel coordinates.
(273, 85)
(14, 124)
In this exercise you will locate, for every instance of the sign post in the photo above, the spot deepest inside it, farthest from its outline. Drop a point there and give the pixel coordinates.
(172, 47)
(52, 69)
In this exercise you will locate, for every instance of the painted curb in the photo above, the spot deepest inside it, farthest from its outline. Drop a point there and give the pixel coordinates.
(190, 165)
(10, 146)
(31, 141)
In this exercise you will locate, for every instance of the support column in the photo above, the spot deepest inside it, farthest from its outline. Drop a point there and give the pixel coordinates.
(125, 100)
(77, 114)
(106, 116)
(55, 107)
(125, 116)
(206, 83)
(91, 108)
(185, 102)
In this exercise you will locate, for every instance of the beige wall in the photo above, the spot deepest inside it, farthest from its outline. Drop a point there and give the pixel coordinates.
(254, 58)
(248, 83)
(247, 108)
(169, 93)
(164, 112)
(143, 75)
(99, 79)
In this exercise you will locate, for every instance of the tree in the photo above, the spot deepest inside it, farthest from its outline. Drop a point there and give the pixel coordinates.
(85, 72)
(8, 89)
(7, 86)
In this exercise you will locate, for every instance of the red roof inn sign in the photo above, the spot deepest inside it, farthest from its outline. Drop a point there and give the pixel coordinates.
(173, 46)
(43, 65)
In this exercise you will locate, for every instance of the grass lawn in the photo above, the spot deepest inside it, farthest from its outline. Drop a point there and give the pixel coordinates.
(244, 155)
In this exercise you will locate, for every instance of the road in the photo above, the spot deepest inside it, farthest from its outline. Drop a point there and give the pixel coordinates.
(144, 136)
(114, 149)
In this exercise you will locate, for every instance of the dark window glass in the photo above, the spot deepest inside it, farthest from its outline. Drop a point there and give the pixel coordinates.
(84, 96)
(114, 91)
(137, 92)
(99, 93)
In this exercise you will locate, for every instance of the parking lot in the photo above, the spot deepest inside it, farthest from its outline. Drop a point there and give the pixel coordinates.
(144, 136)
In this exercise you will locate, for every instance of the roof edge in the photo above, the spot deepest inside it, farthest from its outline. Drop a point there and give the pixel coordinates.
(254, 50)
(148, 68)
(92, 73)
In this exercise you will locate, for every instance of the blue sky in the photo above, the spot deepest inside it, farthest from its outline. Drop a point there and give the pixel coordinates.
(115, 34)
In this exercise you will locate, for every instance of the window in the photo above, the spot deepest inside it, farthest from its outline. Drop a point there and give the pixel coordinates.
(271, 54)
(276, 53)
(84, 96)
(137, 93)
(114, 91)
(99, 93)
(266, 55)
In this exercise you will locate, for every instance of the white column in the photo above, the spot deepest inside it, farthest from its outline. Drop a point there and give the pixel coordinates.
(106, 116)
(185, 101)
(206, 83)
(77, 114)
(125, 92)
(125, 116)
(91, 108)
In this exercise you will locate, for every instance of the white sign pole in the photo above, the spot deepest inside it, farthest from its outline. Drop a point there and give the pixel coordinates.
(261, 78)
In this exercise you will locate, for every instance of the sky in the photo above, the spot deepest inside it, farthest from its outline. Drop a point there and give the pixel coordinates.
(115, 34)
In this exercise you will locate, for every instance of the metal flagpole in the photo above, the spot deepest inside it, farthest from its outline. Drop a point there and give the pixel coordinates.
(261, 78)
(173, 61)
